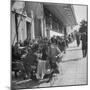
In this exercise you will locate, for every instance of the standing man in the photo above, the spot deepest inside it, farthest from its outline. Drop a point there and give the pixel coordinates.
(53, 53)
(83, 31)
(77, 38)
(84, 43)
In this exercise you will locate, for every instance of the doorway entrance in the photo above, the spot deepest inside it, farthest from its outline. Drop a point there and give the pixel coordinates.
(28, 27)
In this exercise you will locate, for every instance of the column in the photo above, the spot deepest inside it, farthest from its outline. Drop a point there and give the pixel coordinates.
(44, 30)
(13, 29)
(42, 27)
(16, 21)
(65, 33)
(32, 26)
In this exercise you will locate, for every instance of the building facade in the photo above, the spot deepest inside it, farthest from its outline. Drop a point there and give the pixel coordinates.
(31, 20)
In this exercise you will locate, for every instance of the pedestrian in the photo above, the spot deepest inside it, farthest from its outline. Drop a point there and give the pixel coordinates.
(63, 45)
(78, 38)
(67, 41)
(84, 43)
(69, 38)
(72, 37)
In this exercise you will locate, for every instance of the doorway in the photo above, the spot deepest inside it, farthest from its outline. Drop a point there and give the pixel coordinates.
(28, 27)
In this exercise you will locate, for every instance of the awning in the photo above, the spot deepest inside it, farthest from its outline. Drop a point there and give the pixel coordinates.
(63, 12)
(53, 33)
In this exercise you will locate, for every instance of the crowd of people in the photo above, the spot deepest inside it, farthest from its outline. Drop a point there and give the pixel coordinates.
(45, 49)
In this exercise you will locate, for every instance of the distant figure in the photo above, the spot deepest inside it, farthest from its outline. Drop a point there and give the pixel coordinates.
(67, 41)
(83, 30)
(78, 38)
(84, 43)
(69, 38)
(72, 36)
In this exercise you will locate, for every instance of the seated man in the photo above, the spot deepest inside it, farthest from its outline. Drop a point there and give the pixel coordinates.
(30, 59)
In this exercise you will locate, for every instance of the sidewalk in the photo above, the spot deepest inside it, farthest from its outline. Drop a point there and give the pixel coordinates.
(73, 70)
(74, 67)
(73, 45)
(73, 52)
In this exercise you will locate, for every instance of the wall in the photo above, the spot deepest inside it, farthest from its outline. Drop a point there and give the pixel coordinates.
(69, 29)
(22, 32)
(52, 33)
(13, 29)
(22, 29)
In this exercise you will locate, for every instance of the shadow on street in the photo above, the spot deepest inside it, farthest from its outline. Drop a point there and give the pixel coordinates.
(76, 59)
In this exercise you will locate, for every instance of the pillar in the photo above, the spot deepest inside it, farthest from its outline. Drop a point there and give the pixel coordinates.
(32, 26)
(42, 27)
(65, 33)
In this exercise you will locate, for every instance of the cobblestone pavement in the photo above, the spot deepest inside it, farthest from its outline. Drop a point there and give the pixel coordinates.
(73, 70)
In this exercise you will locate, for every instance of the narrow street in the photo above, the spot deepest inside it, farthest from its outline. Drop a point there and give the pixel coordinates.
(73, 70)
